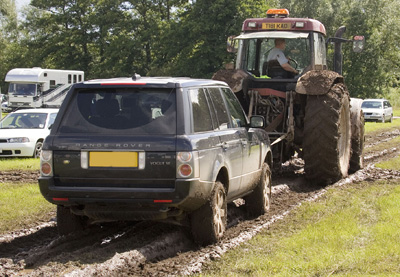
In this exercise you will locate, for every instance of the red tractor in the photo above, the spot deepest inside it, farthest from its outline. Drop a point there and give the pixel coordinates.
(306, 106)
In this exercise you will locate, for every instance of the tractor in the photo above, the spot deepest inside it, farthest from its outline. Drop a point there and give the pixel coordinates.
(308, 112)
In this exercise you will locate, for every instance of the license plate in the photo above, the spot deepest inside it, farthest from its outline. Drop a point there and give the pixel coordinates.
(276, 26)
(113, 159)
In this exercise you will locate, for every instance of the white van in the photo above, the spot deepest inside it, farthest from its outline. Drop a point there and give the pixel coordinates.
(39, 88)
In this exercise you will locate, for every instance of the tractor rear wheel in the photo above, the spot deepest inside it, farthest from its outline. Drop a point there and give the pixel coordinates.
(327, 134)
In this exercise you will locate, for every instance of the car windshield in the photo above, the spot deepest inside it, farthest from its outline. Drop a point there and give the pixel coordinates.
(24, 121)
(122, 110)
(372, 105)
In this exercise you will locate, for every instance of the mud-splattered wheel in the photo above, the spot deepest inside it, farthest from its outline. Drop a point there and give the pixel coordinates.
(67, 222)
(209, 221)
(259, 201)
(327, 134)
(357, 136)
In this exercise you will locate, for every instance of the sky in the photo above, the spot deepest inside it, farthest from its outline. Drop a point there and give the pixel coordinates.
(20, 3)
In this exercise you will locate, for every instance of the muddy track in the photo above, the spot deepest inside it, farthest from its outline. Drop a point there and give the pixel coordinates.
(157, 249)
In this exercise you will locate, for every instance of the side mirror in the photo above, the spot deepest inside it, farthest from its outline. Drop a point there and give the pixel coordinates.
(257, 121)
(231, 44)
(358, 44)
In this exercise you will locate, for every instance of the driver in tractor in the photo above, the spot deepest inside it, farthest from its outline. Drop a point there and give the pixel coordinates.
(277, 64)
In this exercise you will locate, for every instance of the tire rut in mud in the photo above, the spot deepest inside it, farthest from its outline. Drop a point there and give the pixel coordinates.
(156, 249)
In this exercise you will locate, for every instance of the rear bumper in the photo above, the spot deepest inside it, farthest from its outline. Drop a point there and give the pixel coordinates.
(108, 203)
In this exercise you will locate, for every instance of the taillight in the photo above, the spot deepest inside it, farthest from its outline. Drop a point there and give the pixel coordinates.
(46, 163)
(185, 170)
(187, 164)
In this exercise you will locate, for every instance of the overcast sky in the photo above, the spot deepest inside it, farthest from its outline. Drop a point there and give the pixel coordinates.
(21, 3)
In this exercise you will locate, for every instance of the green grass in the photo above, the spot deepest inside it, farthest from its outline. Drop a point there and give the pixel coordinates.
(393, 164)
(19, 164)
(377, 127)
(22, 205)
(349, 231)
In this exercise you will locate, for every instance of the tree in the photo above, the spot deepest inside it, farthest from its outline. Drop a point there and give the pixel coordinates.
(372, 72)
(198, 44)
(8, 36)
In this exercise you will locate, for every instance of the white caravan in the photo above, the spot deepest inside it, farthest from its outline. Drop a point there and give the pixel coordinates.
(39, 88)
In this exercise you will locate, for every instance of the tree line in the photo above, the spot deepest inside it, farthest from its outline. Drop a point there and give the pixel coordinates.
(111, 38)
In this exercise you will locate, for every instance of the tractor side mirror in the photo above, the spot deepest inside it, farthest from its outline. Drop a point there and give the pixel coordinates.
(358, 44)
(232, 44)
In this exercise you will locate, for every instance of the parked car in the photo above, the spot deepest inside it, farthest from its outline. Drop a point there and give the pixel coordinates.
(22, 132)
(4, 107)
(378, 110)
(173, 149)
(4, 103)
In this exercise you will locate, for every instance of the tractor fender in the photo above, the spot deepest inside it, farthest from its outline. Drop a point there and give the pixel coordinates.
(317, 82)
(233, 77)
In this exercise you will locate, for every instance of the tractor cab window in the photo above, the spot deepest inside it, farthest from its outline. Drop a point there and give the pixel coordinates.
(297, 50)
(320, 52)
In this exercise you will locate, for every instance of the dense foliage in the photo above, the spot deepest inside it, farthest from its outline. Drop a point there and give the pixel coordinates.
(109, 38)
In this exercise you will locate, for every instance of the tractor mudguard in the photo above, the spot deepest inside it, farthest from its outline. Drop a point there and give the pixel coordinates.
(233, 77)
(318, 82)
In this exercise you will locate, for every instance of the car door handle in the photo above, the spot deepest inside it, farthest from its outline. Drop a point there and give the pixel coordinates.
(244, 143)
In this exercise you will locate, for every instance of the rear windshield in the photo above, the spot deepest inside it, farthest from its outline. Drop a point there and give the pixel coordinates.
(121, 110)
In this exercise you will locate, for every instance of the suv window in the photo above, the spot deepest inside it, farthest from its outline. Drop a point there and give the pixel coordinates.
(124, 110)
(219, 107)
(202, 120)
(236, 111)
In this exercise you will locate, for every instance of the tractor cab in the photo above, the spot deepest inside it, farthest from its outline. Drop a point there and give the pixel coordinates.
(304, 38)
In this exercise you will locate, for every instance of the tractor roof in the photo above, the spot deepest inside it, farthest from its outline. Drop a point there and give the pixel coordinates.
(278, 20)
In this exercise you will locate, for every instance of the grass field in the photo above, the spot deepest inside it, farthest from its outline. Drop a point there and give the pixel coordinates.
(350, 231)
(19, 164)
(22, 205)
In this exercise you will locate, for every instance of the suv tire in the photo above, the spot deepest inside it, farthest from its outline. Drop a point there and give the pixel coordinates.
(67, 222)
(259, 201)
(209, 221)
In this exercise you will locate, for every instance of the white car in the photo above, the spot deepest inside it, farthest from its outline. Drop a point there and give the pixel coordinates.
(22, 132)
(378, 110)
(4, 106)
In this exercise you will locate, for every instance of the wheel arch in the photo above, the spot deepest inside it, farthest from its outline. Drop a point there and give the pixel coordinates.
(223, 177)
(268, 158)
(318, 82)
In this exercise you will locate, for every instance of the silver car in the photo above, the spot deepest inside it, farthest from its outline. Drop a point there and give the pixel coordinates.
(378, 110)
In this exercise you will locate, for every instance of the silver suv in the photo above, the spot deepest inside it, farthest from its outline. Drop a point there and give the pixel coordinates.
(155, 149)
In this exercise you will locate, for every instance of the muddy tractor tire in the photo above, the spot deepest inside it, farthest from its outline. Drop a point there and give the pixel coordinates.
(357, 136)
(67, 222)
(259, 201)
(327, 134)
(209, 221)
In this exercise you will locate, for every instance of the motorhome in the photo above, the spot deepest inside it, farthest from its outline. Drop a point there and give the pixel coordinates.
(38, 87)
